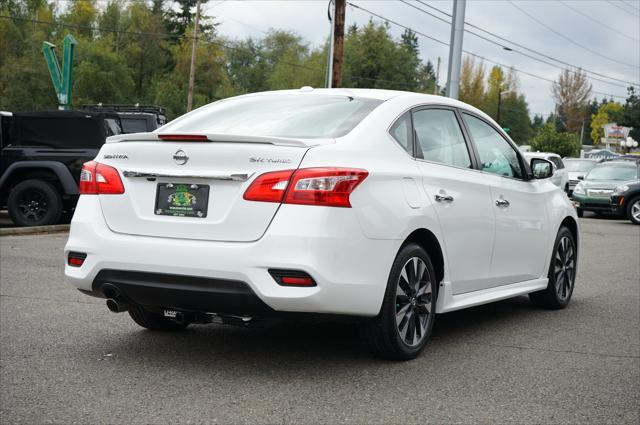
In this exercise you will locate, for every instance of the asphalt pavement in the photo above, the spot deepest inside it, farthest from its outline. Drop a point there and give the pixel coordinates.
(64, 358)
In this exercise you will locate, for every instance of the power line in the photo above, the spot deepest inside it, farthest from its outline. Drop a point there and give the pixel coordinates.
(565, 4)
(624, 9)
(632, 5)
(521, 46)
(475, 55)
(570, 40)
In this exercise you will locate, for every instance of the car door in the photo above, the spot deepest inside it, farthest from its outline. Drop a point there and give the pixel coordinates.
(519, 205)
(460, 196)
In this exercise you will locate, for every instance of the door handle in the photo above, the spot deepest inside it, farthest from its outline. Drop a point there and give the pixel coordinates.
(502, 203)
(444, 198)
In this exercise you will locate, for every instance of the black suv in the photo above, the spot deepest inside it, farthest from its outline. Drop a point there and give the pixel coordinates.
(41, 155)
(133, 118)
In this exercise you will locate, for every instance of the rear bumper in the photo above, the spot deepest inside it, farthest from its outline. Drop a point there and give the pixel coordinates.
(180, 292)
(350, 270)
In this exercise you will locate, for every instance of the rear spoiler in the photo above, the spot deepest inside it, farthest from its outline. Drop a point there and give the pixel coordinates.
(216, 138)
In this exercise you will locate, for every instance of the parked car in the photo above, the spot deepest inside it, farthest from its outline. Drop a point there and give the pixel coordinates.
(133, 118)
(40, 160)
(594, 192)
(380, 206)
(560, 177)
(577, 168)
(625, 201)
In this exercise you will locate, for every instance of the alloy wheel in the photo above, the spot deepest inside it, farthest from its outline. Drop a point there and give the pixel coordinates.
(635, 210)
(564, 268)
(33, 205)
(414, 301)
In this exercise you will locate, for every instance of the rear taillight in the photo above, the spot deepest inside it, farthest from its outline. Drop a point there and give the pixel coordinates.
(100, 179)
(308, 186)
(269, 187)
(324, 186)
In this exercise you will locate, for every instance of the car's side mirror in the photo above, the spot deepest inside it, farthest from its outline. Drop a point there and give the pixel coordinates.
(541, 168)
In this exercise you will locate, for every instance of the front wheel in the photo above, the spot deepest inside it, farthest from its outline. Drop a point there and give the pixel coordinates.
(401, 330)
(562, 273)
(633, 210)
(580, 212)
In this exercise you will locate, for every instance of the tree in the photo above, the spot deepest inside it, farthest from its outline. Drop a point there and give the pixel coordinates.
(472, 89)
(606, 113)
(496, 83)
(572, 91)
(562, 143)
(630, 114)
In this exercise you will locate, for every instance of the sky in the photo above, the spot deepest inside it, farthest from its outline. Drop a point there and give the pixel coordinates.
(601, 36)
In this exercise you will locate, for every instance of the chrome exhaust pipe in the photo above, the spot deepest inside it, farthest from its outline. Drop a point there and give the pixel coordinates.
(117, 306)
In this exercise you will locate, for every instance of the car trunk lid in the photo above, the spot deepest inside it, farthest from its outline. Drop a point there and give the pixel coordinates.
(223, 165)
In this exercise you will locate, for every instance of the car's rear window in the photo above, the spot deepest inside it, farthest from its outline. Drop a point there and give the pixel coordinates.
(295, 116)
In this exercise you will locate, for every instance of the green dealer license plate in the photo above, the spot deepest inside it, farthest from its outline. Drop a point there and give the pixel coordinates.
(182, 200)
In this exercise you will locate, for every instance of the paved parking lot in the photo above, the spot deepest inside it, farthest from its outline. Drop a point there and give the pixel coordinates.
(64, 358)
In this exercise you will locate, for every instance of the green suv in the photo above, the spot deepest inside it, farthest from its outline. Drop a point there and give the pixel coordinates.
(594, 192)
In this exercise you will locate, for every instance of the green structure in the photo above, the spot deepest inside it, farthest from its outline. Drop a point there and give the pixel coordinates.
(61, 77)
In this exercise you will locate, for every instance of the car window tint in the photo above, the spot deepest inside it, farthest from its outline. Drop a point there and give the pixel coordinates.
(401, 131)
(439, 137)
(497, 156)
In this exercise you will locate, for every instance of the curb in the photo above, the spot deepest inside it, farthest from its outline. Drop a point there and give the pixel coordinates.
(17, 231)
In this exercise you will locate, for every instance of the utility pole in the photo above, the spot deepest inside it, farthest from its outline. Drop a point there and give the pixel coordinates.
(192, 68)
(332, 14)
(455, 49)
(435, 89)
(338, 42)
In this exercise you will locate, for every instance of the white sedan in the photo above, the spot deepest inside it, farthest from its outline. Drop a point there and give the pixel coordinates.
(382, 206)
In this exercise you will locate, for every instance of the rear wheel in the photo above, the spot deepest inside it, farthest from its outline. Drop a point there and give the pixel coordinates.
(633, 210)
(154, 321)
(34, 203)
(562, 273)
(404, 324)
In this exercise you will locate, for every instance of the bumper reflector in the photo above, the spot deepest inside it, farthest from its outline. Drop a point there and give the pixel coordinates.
(76, 259)
(292, 278)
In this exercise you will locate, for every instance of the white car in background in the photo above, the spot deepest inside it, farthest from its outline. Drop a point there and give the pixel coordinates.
(560, 175)
(577, 168)
(387, 207)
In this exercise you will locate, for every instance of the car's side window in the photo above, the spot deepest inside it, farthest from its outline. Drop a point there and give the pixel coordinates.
(401, 131)
(439, 137)
(497, 156)
(557, 161)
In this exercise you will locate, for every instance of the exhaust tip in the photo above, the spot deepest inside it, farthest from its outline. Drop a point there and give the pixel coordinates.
(116, 306)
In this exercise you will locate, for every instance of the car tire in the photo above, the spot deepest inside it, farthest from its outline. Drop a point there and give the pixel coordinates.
(633, 210)
(580, 212)
(411, 297)
(154, 321)
(561, 275)
(34, 203)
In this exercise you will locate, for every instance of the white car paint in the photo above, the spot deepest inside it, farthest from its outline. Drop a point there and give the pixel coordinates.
(560, 175)
(489, 253)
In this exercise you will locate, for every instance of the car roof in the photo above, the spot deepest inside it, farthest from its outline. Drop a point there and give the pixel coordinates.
(540, 154)
(379, 94)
